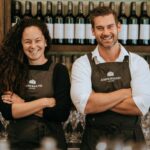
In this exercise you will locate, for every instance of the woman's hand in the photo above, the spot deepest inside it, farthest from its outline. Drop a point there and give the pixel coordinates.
(39, 113)
(50, 102)
(10, 98)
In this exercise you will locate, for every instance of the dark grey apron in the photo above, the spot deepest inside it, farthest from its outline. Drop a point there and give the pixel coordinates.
(109, 125)
(26, 133)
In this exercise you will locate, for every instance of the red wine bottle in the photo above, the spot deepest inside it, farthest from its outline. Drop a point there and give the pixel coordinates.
(48, 18)
(59, 25)
(133, 26)
(69, 25)
(144, 35)
(39, 15)
(80, 25)
(122, 36)
(28, 10)
(89, 37)
(16, 12)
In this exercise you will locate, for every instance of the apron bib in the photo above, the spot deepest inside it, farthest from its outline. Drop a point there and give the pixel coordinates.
(109, 125)
(26, 133)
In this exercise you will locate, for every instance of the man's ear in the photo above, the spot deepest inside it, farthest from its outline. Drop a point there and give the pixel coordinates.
(93, 31)
(119, 27)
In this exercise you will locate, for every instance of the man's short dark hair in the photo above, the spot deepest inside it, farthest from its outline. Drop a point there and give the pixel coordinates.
(102, 11)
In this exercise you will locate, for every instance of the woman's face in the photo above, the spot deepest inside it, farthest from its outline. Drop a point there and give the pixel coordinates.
(34, 44)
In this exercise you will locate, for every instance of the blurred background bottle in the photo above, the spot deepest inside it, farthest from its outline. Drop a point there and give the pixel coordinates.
(39, 15)
(59, 25)
(80, 25)
(122, 36)
(112, 6)
(28, 10)
(48, 18)
(133, 26)
(16, 12)
(69, 25)
(89, 37)
(144, 20)
(101, 4)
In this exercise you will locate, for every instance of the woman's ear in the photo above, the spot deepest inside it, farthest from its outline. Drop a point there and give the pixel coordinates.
(45, 44)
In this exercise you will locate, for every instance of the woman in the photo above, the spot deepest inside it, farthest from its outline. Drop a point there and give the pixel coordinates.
(34, 90)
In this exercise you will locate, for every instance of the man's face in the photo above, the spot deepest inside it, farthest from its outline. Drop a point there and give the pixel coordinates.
(106, 30)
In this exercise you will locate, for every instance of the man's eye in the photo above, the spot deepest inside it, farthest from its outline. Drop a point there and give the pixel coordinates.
(100, 29)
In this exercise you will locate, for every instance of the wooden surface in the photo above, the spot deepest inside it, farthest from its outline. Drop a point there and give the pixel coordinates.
(7, 17)
(79, 49)
(1, 20)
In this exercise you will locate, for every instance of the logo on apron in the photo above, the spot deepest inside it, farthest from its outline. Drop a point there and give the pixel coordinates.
(110, 77)
(32, 84)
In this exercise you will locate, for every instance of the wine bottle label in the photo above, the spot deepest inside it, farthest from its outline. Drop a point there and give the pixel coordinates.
(144, 32)
(133, 31)
(79, 31)
(58, 31)
(88, 32)
(69, 31)
(50, 28)
(123, 34)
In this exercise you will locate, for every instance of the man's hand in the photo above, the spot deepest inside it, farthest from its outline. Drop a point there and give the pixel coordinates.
(127, 93)
(100, 102)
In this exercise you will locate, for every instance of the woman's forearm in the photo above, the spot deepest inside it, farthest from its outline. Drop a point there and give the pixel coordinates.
(20, 110)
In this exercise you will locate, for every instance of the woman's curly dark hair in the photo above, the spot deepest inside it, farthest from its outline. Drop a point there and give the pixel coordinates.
(13, 61)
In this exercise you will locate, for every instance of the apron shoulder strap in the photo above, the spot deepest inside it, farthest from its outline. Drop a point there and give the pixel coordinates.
(126, 59)
(89, 55)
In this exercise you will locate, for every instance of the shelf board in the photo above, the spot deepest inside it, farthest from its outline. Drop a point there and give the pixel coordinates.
(82, 49)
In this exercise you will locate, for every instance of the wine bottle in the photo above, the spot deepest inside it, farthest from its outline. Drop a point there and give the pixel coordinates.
(48, 18)
(69, 25)
(16, 12)
(58, 25)
(112, 6)
(122, 36)
(63, 59)
(74, 57)
(28, 10)
(57, 59)
(53, 58)
(89, 37)
(144, 20)
(69, 63)
(39, 15)
(101, 4)
(80, 25)
(133, 26)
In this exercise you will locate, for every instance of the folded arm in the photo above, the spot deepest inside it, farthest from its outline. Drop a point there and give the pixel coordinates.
(127, 107)
(99, 102)
(20, 108)
(58, 112)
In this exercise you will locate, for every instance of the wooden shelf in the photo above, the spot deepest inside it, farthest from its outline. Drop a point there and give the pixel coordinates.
(82, 49)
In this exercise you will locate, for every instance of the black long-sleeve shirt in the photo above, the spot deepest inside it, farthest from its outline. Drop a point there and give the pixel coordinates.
(61, 86)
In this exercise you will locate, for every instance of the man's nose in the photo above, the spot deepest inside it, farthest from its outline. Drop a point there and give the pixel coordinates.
(105, 31)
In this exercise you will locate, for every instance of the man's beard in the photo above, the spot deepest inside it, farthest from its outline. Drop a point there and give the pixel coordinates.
(109, 46)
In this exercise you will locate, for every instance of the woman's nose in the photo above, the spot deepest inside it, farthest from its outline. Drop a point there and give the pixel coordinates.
(33, 45)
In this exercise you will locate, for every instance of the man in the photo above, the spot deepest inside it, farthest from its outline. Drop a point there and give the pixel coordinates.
(110, 85)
